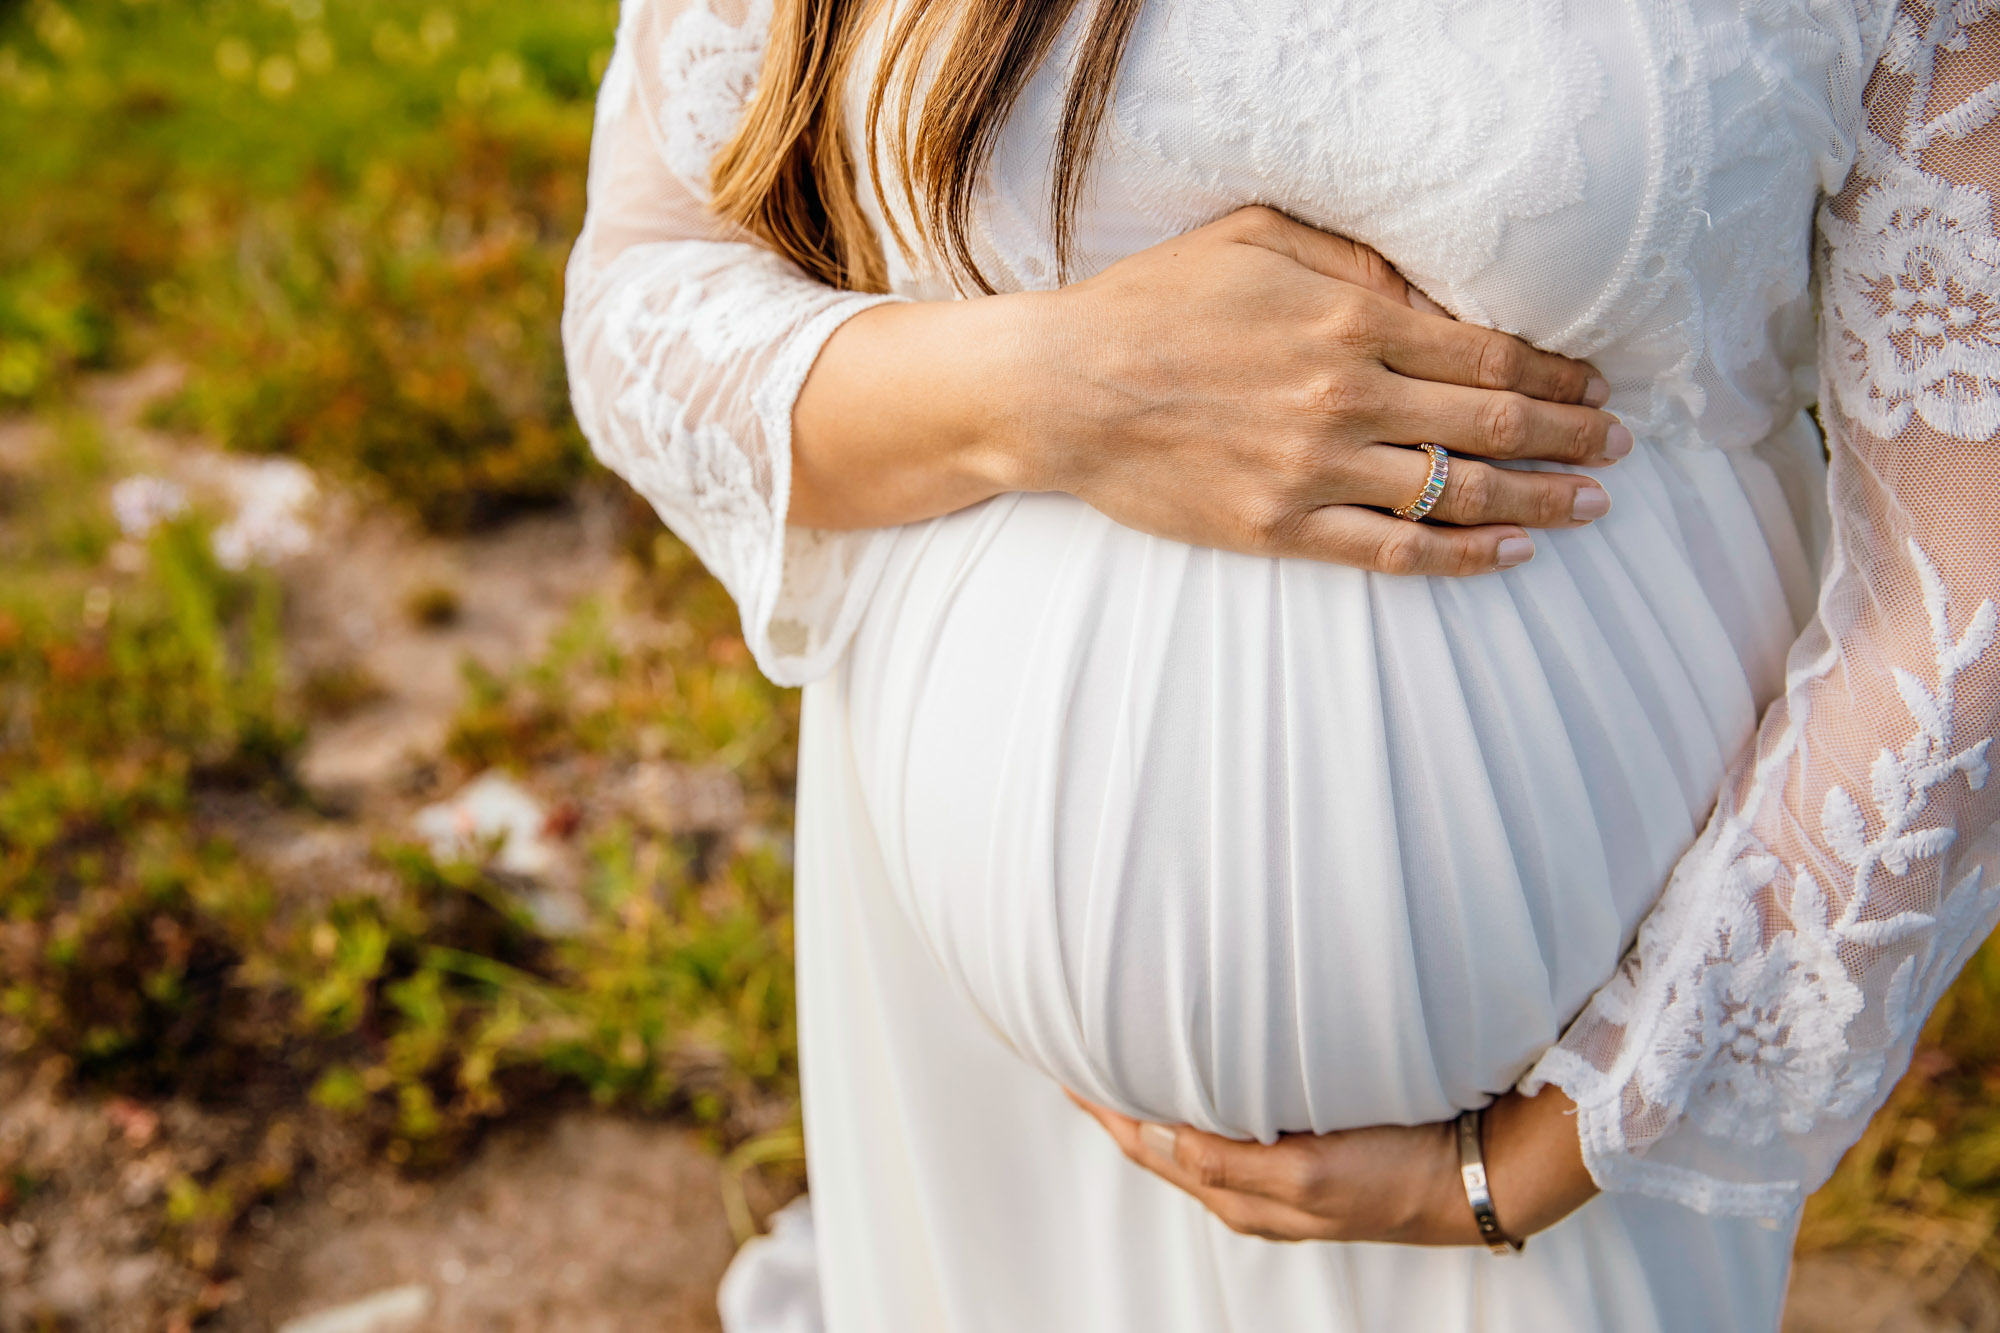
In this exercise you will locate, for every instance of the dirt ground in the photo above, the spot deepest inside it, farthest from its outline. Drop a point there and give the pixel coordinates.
(584, 1223)
(578, 1223)
(581, 1222)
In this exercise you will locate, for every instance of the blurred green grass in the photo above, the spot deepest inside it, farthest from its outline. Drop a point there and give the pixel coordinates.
(348, 223)
(348, 220)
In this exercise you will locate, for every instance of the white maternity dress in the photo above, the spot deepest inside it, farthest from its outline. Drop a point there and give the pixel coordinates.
(1267, 846)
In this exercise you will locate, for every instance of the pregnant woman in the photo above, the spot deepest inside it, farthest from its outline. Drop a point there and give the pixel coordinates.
(1173, 738)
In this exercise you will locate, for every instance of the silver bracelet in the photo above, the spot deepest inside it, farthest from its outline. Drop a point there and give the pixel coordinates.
(1472, 1170)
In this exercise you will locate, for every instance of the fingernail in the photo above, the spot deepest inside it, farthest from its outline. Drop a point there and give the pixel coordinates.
(1591, 502)
(1617, 442)
(1598, 392)
(1515, 551)
(1159, 1140)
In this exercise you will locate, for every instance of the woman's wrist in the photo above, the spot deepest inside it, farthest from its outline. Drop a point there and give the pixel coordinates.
(1021, 362)
(1534, 1162)
(1534, 1171)
(1448, 1218)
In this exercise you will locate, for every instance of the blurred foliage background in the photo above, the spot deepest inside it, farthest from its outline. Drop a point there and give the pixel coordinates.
(345, 222)
(349, 220)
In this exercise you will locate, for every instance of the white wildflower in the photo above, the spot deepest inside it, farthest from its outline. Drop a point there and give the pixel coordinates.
(142, 503)
(491, 812)
(273, 497)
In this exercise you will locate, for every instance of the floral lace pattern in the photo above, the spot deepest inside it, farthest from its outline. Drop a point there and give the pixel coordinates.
(1440, 177)
(707, 71)
(687, 346)
(1779, 986)
(1916, 293)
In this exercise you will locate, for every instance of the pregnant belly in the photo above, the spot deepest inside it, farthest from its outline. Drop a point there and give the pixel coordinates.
(1266, 845)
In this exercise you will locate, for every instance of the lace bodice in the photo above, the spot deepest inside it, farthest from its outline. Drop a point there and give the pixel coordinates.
(1644, 185)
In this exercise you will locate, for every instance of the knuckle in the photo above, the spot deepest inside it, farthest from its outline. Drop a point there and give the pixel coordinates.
(1472, 490)
(1554, 503)
(1270, 524)
(1568, 380)
(1501, 362)
(1335, 395)
(1586, 441)
(1371, 270)
(1298, 1181)
(1401, 550)
(1257, 220)
(1350, 317)
(1503, 425)
(1209, 1168)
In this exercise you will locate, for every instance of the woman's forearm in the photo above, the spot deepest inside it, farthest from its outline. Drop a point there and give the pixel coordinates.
(1389, 1183)
(912, 411)
(1239, 387)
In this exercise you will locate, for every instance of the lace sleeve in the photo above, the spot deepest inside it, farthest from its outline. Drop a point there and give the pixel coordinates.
(1776, 991)
(687, 344)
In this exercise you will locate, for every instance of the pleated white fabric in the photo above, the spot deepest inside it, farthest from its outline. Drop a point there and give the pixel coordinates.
(1265, 845)
(955, 1188)
(1046, 841)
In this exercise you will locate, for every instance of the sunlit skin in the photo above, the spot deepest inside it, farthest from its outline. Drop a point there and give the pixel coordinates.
(1391, 1183)
(1279, 420)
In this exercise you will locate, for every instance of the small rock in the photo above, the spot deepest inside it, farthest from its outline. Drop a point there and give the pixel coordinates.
(273, 497)
(142, 503)
(490, 811)
(389, 1311)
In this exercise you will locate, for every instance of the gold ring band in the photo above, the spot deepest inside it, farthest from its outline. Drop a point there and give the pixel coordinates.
(1418, 509)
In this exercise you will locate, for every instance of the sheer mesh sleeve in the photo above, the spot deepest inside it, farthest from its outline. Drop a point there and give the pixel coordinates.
(1775, 993)
(687, 344)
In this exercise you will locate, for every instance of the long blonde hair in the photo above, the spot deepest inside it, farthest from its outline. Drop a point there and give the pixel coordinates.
(787, 176)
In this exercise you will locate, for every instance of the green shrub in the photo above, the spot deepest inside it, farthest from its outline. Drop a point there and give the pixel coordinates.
(136, 940)
(350, 222)
(119, 920)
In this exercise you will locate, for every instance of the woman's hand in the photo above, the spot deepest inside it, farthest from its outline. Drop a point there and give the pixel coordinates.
(1389, 1183)
(1255, 385)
